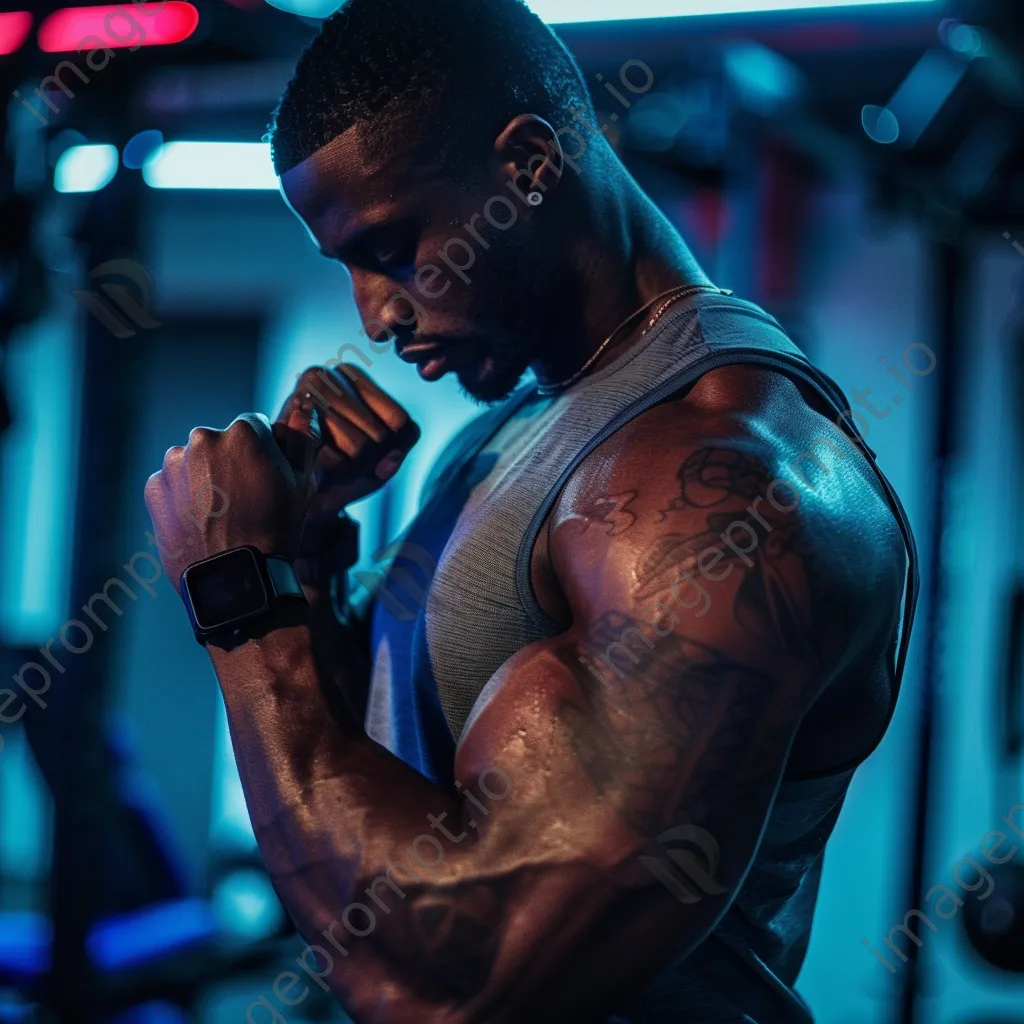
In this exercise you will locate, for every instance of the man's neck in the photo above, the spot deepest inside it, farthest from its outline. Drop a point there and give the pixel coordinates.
(612, 274)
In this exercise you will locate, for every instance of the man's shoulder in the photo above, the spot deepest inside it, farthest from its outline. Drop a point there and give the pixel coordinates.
(744, 474)
(736, 432)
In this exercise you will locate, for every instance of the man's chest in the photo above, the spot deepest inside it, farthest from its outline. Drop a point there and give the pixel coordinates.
(450, 610)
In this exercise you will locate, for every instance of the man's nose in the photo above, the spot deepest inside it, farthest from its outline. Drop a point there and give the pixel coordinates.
(396, 317)
(400, 316)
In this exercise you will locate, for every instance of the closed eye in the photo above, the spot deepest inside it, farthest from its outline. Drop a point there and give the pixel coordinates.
(383, 249)
(394, 256)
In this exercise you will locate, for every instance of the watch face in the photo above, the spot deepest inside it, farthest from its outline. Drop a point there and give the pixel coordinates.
(226, 588)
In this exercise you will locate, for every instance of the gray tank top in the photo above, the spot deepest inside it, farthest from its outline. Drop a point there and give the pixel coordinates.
(465, 563)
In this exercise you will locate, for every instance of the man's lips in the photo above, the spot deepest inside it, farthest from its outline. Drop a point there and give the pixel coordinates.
(417, 353)
(432, 360)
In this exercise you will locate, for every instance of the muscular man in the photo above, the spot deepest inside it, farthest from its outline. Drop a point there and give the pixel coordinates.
(592, 777)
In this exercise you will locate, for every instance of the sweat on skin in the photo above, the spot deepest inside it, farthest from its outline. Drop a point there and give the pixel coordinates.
(740, 538)
(741, 530)
(493, 783)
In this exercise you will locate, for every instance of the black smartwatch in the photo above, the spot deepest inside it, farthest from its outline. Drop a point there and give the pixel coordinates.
(240, 595)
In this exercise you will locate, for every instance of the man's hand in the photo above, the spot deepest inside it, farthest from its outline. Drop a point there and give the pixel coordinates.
(366, 434)
(222, 490)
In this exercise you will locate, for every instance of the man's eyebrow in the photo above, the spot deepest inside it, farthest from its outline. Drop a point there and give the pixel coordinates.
(358, 238)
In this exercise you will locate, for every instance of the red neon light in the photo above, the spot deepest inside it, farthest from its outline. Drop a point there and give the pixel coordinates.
(14, 30)
(129, 24)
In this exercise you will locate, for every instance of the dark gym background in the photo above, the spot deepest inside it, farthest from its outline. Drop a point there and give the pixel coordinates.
(857, 169)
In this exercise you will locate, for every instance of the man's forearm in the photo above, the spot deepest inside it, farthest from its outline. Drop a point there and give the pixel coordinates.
(333, 811)
(286, 742)
(341, 643)
(434, 910)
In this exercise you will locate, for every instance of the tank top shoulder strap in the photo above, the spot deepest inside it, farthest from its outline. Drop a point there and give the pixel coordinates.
(707, 332)
(736, 331)
(469, 440)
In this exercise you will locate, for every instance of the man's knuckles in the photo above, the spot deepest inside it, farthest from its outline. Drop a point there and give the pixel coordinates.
(244, 432)
(201, 438)
(154, 491)
(173, 458)
(247, 431)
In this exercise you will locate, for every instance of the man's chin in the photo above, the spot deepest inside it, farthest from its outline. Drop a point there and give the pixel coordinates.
(487, 384)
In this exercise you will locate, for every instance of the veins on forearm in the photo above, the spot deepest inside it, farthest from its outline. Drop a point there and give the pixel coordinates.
(338, 818)
(424, 912)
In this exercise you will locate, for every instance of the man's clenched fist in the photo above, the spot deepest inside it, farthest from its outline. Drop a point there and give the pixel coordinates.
(366, 433)
(225, 489)
(235, 487)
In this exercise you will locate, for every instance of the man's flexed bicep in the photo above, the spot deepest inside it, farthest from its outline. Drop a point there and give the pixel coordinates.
(697, 605)
(701, 599)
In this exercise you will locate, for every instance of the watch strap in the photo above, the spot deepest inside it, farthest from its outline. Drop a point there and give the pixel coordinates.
(283, 577)
(282, 616)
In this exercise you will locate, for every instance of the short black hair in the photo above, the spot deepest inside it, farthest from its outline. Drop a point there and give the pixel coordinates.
(437, 73)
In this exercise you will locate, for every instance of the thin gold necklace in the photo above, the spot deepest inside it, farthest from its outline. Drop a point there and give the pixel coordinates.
(672, 296)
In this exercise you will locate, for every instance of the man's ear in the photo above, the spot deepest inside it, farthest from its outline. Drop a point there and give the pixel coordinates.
(531, 156)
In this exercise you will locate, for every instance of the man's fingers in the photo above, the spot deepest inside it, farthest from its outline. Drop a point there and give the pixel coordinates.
(331, 390)
(349, 438)
(385, 407)
(366, 434)
(407, 435)
(304, 419)
(353, 454)
(300, 440)
(346, 393)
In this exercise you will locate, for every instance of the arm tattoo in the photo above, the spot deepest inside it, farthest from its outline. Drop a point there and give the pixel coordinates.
(641, 735)
(669, 726)
(773, 606)
(614, 516)
(711, 476)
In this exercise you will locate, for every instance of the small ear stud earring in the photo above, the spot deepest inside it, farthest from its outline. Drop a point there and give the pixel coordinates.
(534, 198)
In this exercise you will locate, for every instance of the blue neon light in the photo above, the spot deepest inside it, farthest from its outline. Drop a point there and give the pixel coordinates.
(213, 165)
(85, 168)
(562, 12)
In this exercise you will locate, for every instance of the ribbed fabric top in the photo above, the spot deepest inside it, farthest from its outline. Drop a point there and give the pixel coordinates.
(484, 504)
